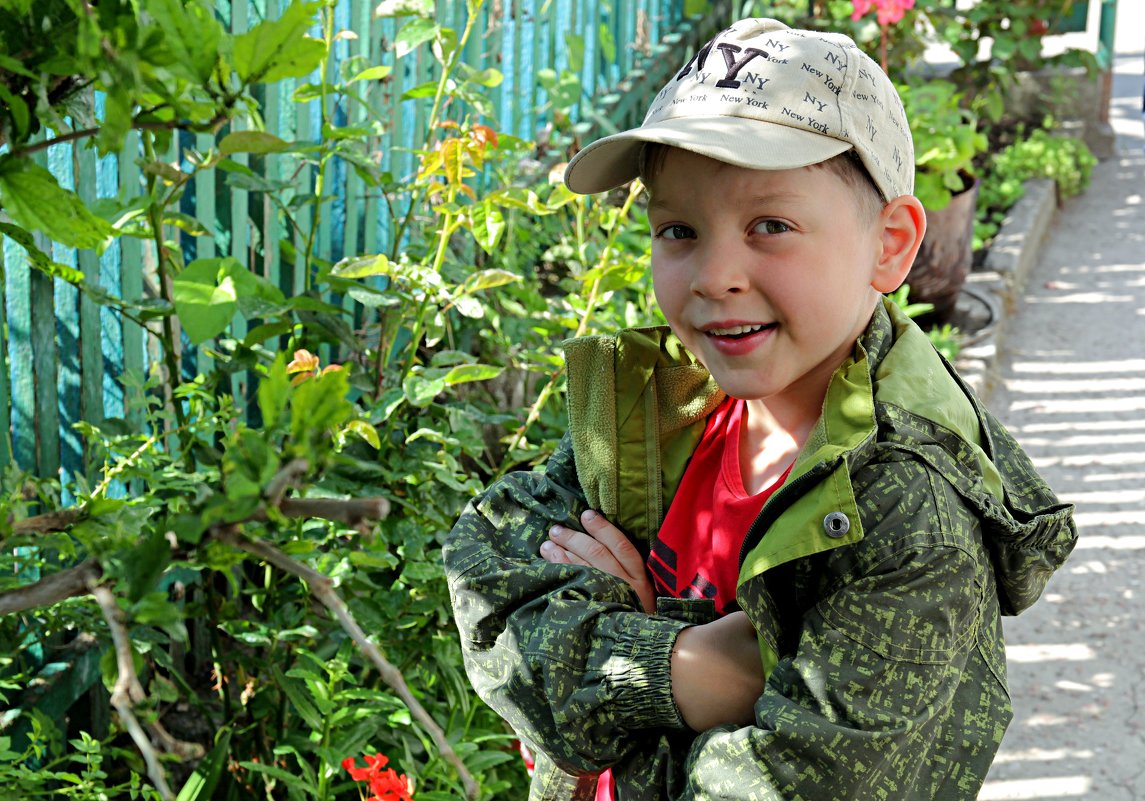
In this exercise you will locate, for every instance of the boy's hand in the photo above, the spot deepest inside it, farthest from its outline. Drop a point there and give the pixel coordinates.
(604, 547)
(717, 675)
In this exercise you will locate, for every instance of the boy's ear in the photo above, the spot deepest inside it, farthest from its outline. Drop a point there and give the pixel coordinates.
(902, 225)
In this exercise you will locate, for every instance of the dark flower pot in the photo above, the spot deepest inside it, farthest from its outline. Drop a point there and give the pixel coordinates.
(944, 259)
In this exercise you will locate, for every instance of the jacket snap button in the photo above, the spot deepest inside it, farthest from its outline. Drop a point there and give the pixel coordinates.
(836, 524)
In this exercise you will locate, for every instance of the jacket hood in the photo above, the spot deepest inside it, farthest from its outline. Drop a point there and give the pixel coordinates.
(1028, 532)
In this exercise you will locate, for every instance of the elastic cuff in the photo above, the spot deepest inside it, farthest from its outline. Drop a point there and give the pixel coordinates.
(640, 672)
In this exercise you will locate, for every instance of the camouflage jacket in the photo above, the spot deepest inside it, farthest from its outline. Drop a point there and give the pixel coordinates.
(875, 577)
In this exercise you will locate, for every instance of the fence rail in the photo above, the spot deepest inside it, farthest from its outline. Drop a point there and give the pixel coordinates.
(65, 359)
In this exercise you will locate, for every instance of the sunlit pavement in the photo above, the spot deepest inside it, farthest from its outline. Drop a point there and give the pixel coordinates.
(1072, 390)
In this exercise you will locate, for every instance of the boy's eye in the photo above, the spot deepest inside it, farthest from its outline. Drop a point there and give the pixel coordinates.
(772, 227)
(677, 232)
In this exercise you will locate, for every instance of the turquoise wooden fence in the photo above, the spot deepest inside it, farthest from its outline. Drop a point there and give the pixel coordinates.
(66, 359)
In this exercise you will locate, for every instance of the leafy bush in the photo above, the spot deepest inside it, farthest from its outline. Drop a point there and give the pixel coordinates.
(1042, 154)
(257, 575)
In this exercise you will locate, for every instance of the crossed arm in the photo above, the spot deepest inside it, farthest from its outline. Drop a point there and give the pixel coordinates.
(716, 670)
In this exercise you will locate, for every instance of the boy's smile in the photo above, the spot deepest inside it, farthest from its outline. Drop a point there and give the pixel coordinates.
(767, 276)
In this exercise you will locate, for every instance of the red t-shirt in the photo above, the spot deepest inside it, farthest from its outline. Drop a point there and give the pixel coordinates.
(696, 552)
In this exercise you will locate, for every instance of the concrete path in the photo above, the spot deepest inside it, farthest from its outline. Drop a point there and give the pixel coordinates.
(1072, 390)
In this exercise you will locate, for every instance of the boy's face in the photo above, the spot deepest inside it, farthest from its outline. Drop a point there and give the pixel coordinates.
(766, 276)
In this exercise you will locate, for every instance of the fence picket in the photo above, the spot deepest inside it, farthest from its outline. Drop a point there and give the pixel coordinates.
(5, 392)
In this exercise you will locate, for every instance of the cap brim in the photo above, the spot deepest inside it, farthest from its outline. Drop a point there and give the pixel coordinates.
(754, 144)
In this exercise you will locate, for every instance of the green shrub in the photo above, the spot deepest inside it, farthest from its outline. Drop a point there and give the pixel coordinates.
(1041, 154)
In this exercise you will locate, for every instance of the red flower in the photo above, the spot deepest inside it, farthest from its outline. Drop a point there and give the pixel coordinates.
(386, 785)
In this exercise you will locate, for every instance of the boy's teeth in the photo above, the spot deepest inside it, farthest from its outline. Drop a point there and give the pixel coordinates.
(734, 330)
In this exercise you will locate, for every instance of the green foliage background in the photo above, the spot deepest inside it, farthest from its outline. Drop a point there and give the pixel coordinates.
(443, 372)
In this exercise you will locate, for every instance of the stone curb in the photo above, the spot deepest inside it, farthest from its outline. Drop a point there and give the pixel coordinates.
(1003, 277)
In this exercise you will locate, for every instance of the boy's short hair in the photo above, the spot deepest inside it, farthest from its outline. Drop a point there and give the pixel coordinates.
(763, 96)
(847, 166)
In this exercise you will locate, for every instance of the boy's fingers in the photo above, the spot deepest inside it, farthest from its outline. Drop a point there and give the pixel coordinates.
(555, 554)
(614, 540)
(587, 548)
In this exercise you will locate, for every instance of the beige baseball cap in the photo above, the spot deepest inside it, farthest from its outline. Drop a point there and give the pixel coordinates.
(764, 96)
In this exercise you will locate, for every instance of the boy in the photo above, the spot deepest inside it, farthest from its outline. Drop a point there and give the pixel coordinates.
(832, 522)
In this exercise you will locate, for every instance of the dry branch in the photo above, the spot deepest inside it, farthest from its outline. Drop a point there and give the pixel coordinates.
(51, 589)
(350, 512)
(322, 588)
(128, 690)
(51, 521)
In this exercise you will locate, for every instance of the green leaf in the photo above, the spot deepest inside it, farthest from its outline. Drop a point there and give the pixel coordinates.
(18, 111)
(404, 8)
(362, 267)
(307, 92)
(488, 225)
(420, 390)
(288, 779)
(206, 297)
(252, 142)
(366, 432)
(319, 406)
(1003, 49)
(38, 258)
(192, 33)
(299, 700)
(607, 43)
(200, 785)
(464, 373)
(489, 77)
(279, 48)
(146, 563)
(468, 306)
(372, 74)
(34, 200)
(274, 392)
(575, 44)
(185, 222)
(413, 34)
(427, 89)
(487, 279)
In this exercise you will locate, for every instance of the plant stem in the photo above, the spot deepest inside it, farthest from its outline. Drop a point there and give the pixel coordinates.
(447, 67)
(320, 177)
(590, 307)
(155, 214)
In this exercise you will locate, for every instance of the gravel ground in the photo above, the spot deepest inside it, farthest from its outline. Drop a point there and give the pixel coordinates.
(1072, 390)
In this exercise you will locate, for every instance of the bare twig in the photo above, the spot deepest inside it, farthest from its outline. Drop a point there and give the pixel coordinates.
(48, 522)
(128, 690)
(51, 589)
(323, 589)
(351, 512)
(286, 478)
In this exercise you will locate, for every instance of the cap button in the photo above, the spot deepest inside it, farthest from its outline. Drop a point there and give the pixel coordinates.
(836, 525)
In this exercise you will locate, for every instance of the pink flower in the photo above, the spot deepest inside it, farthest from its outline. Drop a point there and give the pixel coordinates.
(861, 8)
(888, 11)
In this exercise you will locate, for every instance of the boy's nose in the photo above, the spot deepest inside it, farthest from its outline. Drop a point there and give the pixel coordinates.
(717, 274)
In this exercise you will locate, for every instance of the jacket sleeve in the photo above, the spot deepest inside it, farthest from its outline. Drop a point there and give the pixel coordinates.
(878, 670)
(562, 652)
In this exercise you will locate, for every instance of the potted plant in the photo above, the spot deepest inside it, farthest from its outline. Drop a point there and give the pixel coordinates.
(946, 141)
